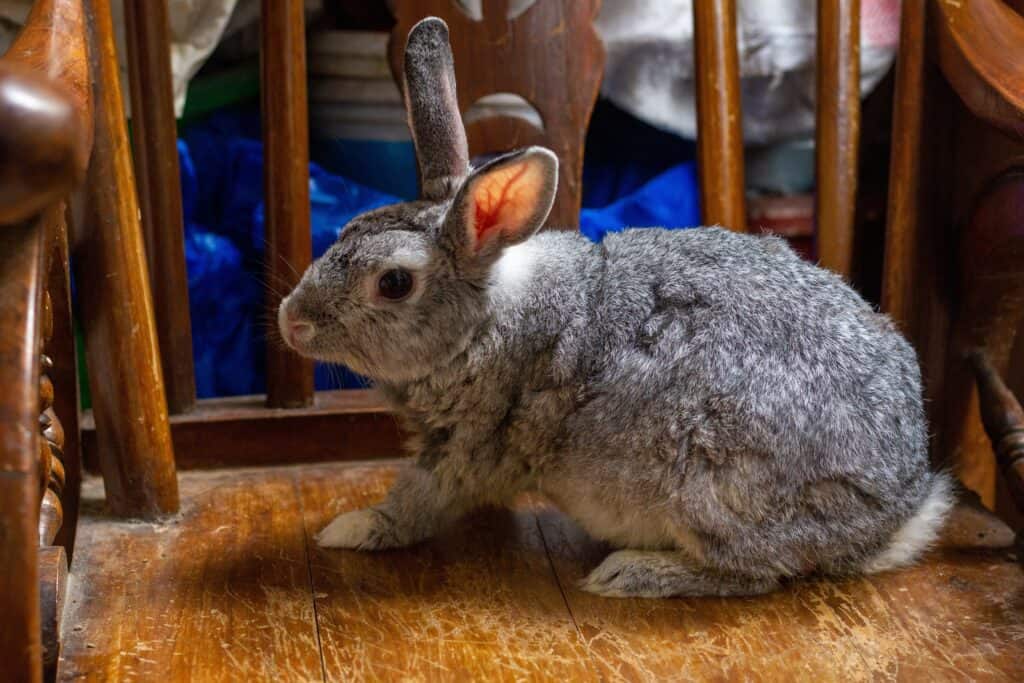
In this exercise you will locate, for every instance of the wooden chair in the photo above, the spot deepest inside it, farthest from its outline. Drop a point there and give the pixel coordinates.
(138, 345)
(56, 134)
(342, 424)
(954, 273)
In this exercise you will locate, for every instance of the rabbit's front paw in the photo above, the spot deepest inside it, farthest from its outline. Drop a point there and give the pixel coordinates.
(367, 529)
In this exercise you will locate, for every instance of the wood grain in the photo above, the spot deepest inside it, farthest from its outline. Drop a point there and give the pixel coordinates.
(905, 200)
(719, 117)
(979, 51)
(54, 42)
(235, 590)
(21, 264)
(219, 593)
(243, 432)
(550, 55)
(983, 157)
(289, 246)
(837, 135)
(917, 289)
(51, 445)
(478, 603)
(158, 180)
(117, 312)
(990, 311)
(39, 133)
(53, 580)
(64, 373)
(955, 617)
(948, 272)
(46, 126)
(46, 138)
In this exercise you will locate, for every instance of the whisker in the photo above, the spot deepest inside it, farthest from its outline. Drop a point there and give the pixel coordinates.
(268, 249)
(271, 279)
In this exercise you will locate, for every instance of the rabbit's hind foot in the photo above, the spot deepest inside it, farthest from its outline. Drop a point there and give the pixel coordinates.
(662, 574)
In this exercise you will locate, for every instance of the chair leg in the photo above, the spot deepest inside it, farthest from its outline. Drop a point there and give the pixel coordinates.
(125, 375)
(53, 581)
(1003, 419)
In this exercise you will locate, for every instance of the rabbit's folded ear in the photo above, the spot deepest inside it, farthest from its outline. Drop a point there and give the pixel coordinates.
(504, 202)
(434, 119)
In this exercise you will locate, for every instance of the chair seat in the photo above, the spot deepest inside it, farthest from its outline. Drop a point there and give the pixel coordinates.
(235, 589)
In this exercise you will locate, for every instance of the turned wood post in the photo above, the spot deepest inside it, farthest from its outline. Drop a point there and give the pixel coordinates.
(289, 241)
(1003, 419)
(719, 116)
(155, 135)
(125, 375)
(837, 132)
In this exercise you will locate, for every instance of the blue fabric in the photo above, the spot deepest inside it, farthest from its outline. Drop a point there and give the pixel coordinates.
(222, 188)
(668, 200)
(222, 184)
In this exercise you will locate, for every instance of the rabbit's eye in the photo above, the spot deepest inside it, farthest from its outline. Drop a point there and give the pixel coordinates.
(395, 284)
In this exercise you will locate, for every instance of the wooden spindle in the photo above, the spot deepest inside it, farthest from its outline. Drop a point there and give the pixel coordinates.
(52, 451)
(51, 517)
(159, 185)
(51, 445)
(129, 405)
(838, 131)
(900, 273)
(1003, 418)
(289, 246)
(43, 452)
(45, 393)
(53, 430)
(46, 319)
(64, 372)
(719, 117)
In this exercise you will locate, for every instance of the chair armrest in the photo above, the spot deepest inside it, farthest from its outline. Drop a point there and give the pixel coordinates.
(45, 110)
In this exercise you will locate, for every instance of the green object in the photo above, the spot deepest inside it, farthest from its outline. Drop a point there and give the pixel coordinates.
(83, 374)
(207, 93)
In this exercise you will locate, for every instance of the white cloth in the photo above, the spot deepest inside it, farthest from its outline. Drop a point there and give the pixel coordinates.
(649, 67)
(649, 44)
(196, 28)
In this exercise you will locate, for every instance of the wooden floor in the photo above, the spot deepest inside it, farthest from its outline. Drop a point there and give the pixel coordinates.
(234, 590)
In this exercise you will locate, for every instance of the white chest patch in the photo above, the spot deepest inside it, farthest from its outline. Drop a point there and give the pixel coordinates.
(511, 275)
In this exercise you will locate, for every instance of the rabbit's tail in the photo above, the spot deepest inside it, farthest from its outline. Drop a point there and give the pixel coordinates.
(919, 532)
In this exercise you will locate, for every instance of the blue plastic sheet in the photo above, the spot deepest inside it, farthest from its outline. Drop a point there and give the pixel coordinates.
(667, 200)
(222, 183)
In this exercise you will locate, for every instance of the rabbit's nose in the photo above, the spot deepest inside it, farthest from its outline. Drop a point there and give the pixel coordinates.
(294, 329)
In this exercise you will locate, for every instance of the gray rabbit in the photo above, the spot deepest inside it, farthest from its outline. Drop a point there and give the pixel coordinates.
(724, 413)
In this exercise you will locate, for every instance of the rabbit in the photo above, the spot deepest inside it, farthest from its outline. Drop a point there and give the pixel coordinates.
(723, 414)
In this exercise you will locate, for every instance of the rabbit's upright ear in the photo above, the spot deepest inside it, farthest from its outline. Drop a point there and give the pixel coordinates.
(437, 130)
(504, 202)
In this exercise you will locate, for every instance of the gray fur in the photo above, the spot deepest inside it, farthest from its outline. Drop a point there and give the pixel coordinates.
(725, 413)
(434, 119)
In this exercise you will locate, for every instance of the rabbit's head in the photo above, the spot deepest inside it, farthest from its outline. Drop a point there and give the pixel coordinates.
(405, 285)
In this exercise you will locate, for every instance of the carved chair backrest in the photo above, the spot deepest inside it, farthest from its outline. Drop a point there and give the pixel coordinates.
(954, 271)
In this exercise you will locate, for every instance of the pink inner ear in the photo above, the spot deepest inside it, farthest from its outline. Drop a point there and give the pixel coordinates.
(504, 200)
